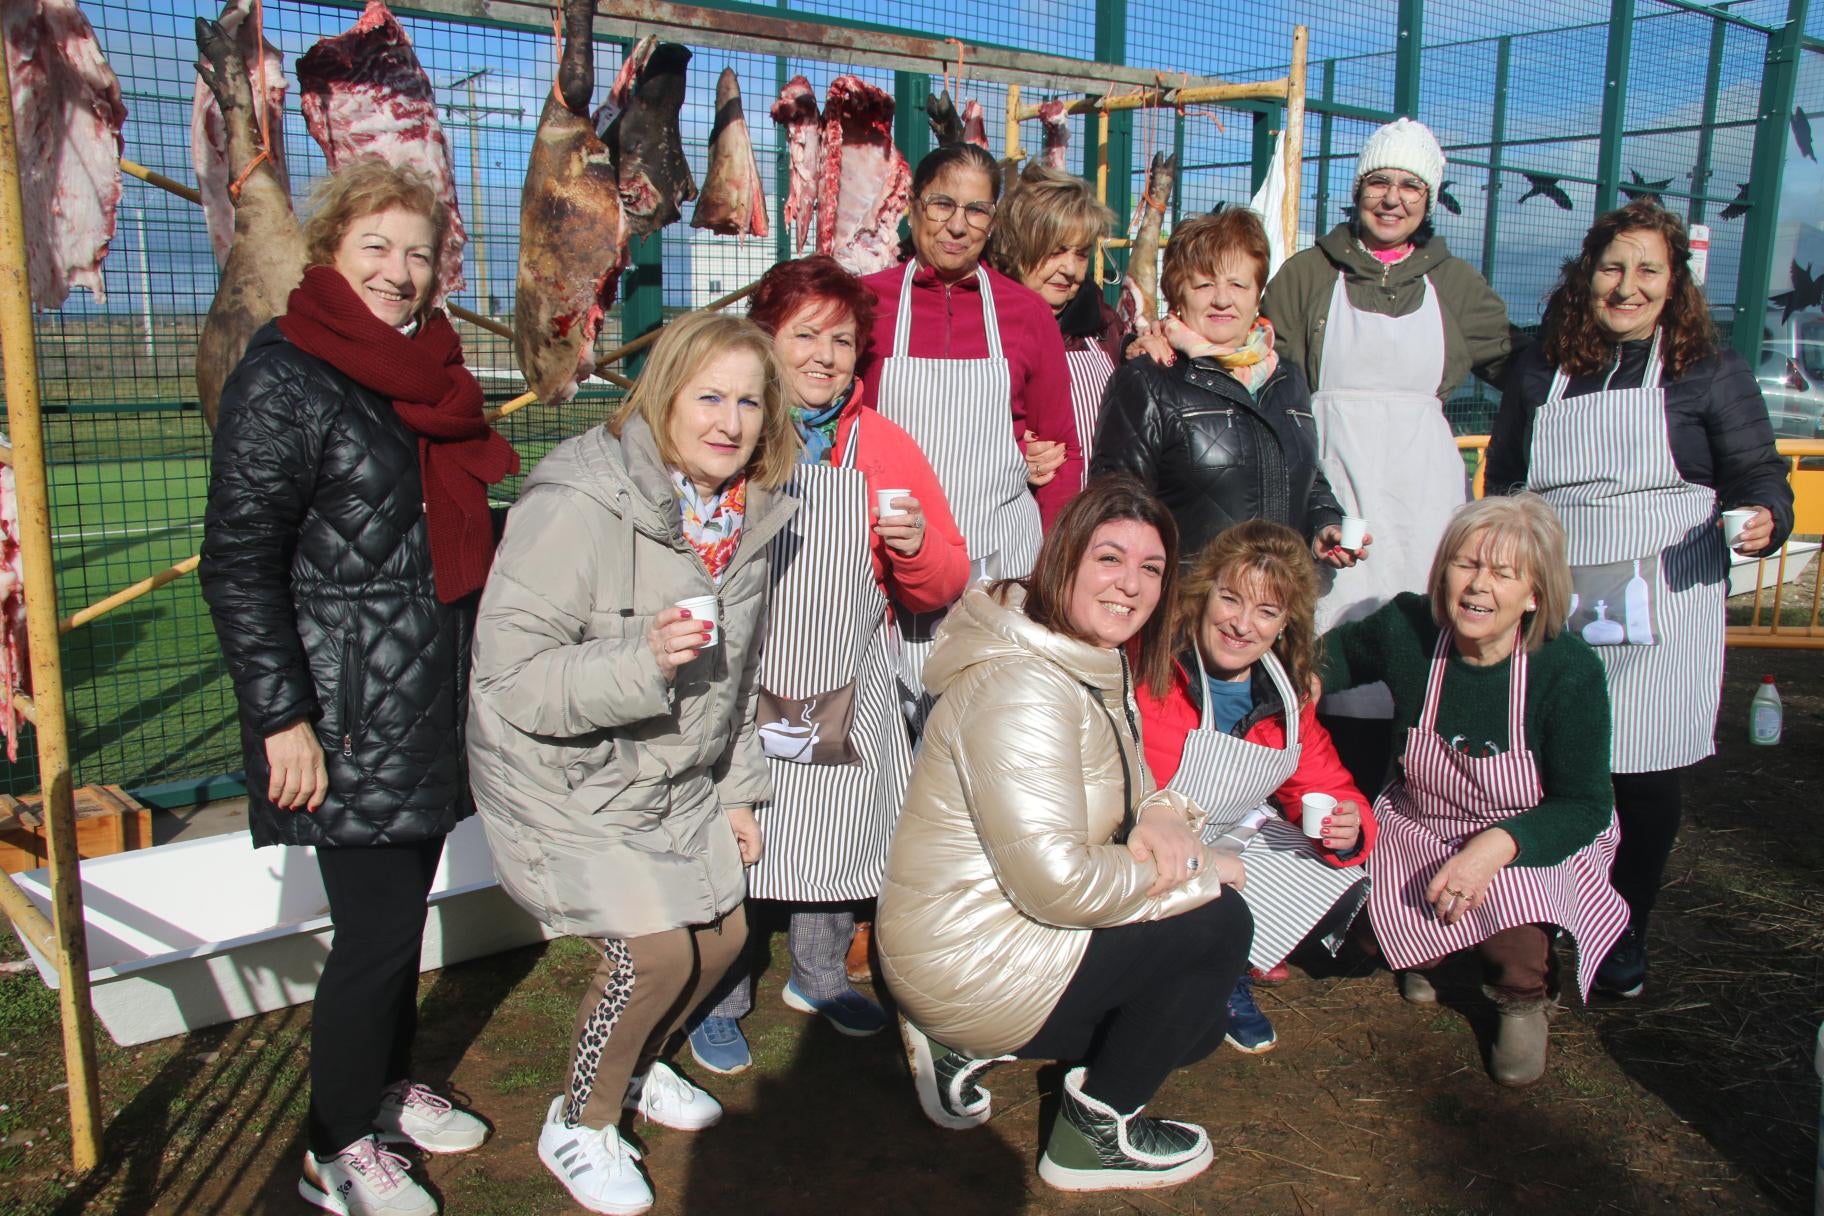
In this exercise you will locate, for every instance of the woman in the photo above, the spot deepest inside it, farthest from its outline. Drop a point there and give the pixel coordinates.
(1042, 901)
(1632, 421)
(1236, 727)
(1500, 818)
(611, 721)
(1225, 435)
(1386, 325)
(1050, 225)
(837, 568)
(352, 416)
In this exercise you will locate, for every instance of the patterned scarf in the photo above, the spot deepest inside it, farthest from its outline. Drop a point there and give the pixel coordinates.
(712, 523)
(817, 428)
(1251, 363)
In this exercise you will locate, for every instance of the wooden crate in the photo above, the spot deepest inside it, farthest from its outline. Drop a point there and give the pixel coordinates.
(108, 821)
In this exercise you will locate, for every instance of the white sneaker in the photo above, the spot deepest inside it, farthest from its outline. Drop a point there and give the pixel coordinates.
(364, 1180)
(411, 1113)
(665, 1096)
(600, 1171)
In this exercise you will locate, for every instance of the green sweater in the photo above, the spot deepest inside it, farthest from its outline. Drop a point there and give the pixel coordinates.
(1567, 716)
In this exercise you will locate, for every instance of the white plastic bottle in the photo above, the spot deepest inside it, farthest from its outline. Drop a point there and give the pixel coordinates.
(1764, 714)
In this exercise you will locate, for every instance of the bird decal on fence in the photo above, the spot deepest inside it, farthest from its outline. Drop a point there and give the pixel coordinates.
(1447, 200)
(1801, 133)
(1545, 187)
(1638, 187)
(1739, 206)
(1806, 292)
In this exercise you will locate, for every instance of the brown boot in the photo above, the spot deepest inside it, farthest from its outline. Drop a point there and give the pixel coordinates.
(1519, 1054)
(858, 964)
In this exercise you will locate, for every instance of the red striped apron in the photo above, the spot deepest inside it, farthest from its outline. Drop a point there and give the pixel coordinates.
(1444, 798)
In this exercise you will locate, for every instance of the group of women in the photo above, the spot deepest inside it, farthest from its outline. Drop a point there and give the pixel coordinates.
(934, 589)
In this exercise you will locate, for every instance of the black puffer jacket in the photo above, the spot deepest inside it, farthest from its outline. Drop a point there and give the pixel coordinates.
(1716, 424)
(317, 570)
(1215, 455)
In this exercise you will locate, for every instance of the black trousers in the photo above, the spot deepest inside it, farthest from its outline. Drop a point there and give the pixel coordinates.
(1148, 998)
(366, 1011)
(1648, 807)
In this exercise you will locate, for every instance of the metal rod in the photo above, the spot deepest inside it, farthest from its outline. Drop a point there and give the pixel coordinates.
(127, 595)
(1294, 136)
(26, 425)
(1614, 103)
(1713, 77)
(133, 169)
(1497, 134)
(1325, 123)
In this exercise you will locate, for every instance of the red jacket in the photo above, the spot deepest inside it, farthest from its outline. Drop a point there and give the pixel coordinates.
(890, 459)
(1165, 723)
(947, 324)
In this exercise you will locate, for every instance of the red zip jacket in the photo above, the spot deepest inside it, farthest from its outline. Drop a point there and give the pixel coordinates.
(947, 324)
(1165, 723)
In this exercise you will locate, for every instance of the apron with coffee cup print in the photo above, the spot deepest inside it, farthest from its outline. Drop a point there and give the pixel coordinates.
(1604, 461)
(1443, 798)
(1388, 453)
(1290, 887)
(1090, 369)
(960, 413)
(827, 826)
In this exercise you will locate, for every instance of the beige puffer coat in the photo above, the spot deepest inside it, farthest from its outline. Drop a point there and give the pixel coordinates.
(600, 784)
(1005, 855)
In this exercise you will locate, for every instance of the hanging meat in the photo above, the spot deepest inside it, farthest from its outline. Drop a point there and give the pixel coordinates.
(796, 112)
(643, 135)
(363, 94)
(865, 183)
(15, 675)
(67, 116)
(949, 127)
(266, 258)
(209, 135)
(572, 234)
(975, 124)
(732, 202)
(1057, 134)
(1140, 288)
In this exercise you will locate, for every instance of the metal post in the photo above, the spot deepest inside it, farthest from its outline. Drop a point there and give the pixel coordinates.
(1614, 103)
(478, 236)
(1118, 152)
(1324, 125)
(783, 233)
(1406, 55)
(1178, 178)
(911, 129)
(1779, 83)
(643, 294)
(1700, 168)
(1497, 134)
(1269, 120)
(26, 426)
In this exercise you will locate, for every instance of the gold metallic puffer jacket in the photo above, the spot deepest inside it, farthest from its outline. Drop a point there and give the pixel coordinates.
(1005, 856)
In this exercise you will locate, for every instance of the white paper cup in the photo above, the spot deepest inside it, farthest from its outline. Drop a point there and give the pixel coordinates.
(883, 501)
(1313, 809)
(703, 608)
(1733, 523)
(1355, 530)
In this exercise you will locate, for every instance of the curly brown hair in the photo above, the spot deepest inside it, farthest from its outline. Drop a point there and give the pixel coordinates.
(1278, 560)
(1574, 340)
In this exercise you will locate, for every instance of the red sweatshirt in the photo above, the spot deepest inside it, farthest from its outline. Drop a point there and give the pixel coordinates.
(1165, 723)
(889, 459)
(947, 324)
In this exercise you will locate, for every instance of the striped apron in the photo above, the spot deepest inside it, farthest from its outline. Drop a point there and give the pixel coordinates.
(1444, 798)
(1290, 887)
(827, 826)
(1090, 369)
(1388, 453)
(1604, 462)
(960, 413)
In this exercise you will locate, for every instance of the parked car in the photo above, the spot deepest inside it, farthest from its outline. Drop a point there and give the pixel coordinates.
(1791, 373)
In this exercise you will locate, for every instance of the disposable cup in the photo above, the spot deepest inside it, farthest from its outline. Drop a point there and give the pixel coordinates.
(1355, 530)
(1313, 810)
(883, 501)
(1733, 523)
(703, 608)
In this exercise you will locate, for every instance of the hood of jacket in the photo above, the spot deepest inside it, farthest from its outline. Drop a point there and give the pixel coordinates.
(987, 625)
(1347, 253)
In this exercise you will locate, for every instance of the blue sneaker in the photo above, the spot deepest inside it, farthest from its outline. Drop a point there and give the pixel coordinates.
(1249, 1029)
(851, 1013)
(719, 1045)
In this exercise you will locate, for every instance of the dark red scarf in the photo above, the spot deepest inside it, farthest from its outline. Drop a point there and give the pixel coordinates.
(459, 454)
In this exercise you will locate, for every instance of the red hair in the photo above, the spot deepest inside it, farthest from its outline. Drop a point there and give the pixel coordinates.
(818, 279)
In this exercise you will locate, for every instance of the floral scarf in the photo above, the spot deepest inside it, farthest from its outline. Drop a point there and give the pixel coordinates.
(817, 428)
(1251, 363)
(712, 523)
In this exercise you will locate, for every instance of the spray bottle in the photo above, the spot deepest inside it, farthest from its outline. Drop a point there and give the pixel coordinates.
(1764, 714)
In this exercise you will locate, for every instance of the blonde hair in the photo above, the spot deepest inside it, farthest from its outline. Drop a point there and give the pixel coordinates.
(1047, 210)
(365, 188)
(1281, 560)
(684, 347)
(1526, 533)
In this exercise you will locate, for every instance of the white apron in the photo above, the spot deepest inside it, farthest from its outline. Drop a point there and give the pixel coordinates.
(960, 412)
(1090, 370)
(1290, 887)
(827, 826)
(1648, 564)
(1388, 453)
(1442, 799)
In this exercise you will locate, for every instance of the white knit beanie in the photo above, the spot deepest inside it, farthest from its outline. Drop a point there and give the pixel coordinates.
(1408, 145)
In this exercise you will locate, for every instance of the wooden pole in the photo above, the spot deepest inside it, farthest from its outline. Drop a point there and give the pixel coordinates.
(1154, 98)
(134, 169)
(1011, 149)
(27, 429)
(127, 595)
(1295, 136)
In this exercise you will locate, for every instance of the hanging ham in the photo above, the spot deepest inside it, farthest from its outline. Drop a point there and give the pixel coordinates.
(209, 134)
(1057, 134)
(1139, 306)
(643, 136)
(732, 202)
(796, 113)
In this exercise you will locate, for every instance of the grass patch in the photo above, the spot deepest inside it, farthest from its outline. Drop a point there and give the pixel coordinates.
(543, 1073)
(26, 1005)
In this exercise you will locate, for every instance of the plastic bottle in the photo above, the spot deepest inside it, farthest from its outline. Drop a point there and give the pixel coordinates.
(1764, 714)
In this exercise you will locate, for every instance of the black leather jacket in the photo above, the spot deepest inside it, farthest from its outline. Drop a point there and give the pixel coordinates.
(317, 570)
(1214, 454)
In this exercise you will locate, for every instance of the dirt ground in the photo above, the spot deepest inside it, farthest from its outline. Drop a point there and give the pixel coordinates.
(1698, 1097)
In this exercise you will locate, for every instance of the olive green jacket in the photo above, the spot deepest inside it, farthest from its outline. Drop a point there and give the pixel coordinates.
(1477, 335)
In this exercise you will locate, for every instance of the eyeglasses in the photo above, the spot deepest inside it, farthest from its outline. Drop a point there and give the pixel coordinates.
(940, 207)
(1411, 189)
